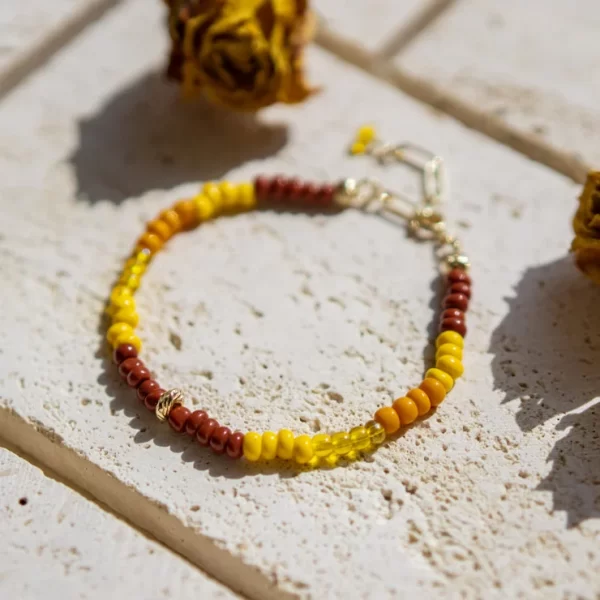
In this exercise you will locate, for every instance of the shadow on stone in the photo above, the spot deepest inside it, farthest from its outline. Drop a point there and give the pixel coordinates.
(147, 138)
(547, 354)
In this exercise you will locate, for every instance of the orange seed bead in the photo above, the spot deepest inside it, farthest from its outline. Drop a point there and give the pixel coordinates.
(434, 389)
(388, 418)
(172, 219)
(186, 209)
(161, 228)
(150, 241)
(421, 399)
(407, 410)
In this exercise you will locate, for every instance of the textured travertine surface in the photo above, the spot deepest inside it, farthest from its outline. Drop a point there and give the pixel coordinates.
(56, 544)
(307, 321)
(532, 64)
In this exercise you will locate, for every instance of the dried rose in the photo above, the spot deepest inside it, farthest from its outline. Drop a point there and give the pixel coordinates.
(244, 54)
(586, 225)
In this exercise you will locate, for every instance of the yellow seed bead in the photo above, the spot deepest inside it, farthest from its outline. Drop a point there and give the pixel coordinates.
(134, 268)
(446, 380)
(321, 444)
(128, 338)
(366, 134)
(376, 432)
(303, 450)
(252, 446)
(117, 329)
(451, 365)
(246, 196)
(186, 210)
(204, 207)
(172, 219)
(229, 193)
(360, 438)
(450, 337)
(129, 281)
(421, 399)
(126, 315)
(285, 444)
(407, 410)
(213, 193)
(341, 442)
(143, 256)
(388, 418)
(269, 445)
(123, 301)
(357, 148)
(118, 292)
(451, 349)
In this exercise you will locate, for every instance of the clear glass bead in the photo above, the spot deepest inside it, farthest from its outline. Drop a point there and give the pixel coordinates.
(376, 432)
(341, 442)
(322, 445)
(360, 438)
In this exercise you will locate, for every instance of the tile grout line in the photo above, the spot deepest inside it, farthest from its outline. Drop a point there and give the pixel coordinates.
(378, 66)
(39, 54)
(45, 450)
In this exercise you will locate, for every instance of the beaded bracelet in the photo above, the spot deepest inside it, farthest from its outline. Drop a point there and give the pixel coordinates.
(424, 222)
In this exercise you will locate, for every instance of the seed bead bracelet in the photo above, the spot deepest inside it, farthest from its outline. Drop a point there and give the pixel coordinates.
(424, 222)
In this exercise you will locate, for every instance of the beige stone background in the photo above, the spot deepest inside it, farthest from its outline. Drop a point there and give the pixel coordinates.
(305, 321)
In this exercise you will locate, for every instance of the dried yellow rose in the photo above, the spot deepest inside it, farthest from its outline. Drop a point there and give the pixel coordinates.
(244, 54)
(586, 225)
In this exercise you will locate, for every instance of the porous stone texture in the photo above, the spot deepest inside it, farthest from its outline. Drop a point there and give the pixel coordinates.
(32, 30)
(57, 544)
(372, 24)
(304, 321)
(532, 65)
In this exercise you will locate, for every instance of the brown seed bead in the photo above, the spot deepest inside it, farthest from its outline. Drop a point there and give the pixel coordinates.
(459, 275)
(460, 288)
(205, 431)
(146, 387)
(262, 185)
(295, 190)
(235, 445)
(326, 193)
(453, 313)
(278, 188)
(137, 376)
(311, 193)
(219, 439)
(128, 365)
(152, 399)
(195, 420)
(456, 301)
(178, 417)
(454, 325)
(123, 352)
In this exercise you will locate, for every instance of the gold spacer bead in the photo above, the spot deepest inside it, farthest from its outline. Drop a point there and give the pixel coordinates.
(458, 261)
(167, 402)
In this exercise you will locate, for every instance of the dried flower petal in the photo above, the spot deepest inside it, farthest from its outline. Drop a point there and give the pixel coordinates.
(244, 54)
(586, 225)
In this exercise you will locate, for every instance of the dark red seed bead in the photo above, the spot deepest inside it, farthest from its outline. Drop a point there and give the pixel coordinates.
(219, 439)
(453, 313)
(262, 185)
(128, 365)
(146, 387)
(454, 325)
(195, 420)
(235, 445)
(178, 417)
(205, 431)
(152, 399)
(278, 188)
(326, 193)
(137, 376)
(295, 190)
(459, 276)
(123, 352)
(311, 193)
(460, 288)
(459, 301)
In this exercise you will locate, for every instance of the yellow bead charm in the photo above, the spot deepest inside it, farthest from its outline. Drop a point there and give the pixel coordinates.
(442, 376)
(451, 365)
(269, 445)
(303, 449)
(285, 444)
(252, 446)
